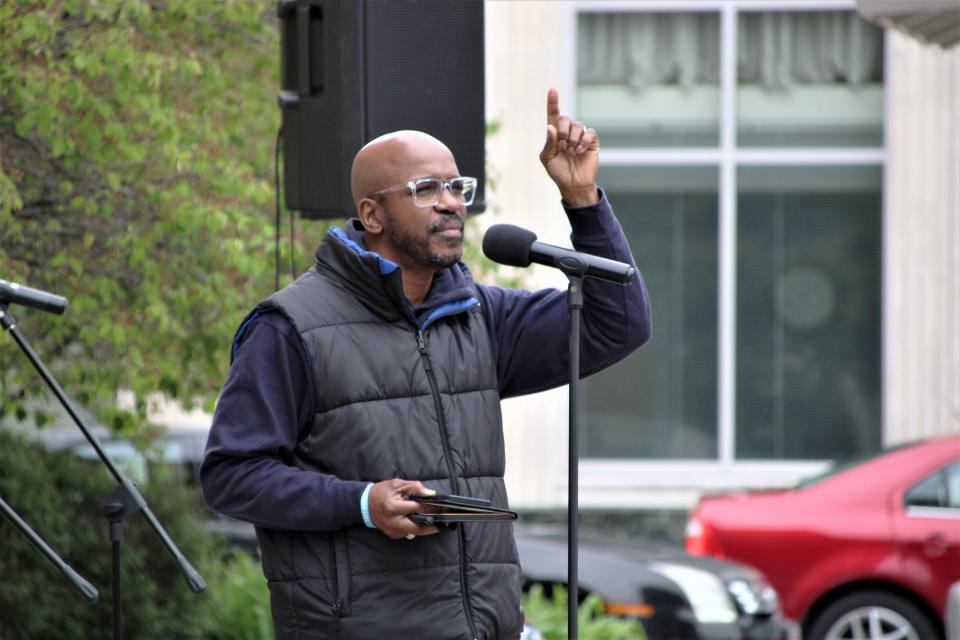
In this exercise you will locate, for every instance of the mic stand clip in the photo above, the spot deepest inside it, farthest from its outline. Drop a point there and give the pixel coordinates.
(117, 506)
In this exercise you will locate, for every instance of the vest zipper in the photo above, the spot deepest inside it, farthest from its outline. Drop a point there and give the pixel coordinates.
(447, 456)
(341, 576)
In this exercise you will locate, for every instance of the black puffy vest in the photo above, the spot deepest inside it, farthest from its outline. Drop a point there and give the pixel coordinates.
(393, 400)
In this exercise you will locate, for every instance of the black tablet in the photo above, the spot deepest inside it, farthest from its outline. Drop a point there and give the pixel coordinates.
(459, 509)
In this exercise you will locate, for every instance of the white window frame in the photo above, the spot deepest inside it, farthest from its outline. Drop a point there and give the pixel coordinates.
(604, 482)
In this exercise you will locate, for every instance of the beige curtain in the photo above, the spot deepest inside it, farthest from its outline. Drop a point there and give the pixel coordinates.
(774, 50)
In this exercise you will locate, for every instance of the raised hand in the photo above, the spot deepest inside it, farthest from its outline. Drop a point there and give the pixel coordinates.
(571, 155)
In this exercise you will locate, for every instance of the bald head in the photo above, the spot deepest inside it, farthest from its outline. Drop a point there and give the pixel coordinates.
(394, 158)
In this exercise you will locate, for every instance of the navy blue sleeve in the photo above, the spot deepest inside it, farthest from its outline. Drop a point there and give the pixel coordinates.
(530, 330)
(247, 470)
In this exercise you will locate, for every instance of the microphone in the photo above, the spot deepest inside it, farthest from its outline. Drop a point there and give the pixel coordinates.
(517, 247)
(18, 294)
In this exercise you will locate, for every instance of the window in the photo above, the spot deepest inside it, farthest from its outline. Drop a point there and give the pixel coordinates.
(940, 490)
(743, 154)
(650, 80)
(808, 312)
(670, 215)
(809, 79)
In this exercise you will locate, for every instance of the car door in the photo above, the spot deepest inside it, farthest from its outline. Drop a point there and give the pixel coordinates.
(926, 527)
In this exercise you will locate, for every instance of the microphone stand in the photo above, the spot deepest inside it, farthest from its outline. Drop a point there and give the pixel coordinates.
(83, 589)
(518, 247)
(575, 304)
(125, 488)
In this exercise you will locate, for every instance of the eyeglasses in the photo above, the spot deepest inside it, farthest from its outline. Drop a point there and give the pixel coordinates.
(426, 192)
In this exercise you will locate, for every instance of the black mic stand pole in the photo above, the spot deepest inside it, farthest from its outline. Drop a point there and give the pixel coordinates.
(77, 582)
(575, 304)
(129, 491)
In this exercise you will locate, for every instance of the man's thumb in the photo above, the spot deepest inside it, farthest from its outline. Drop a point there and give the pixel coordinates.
(417, 489)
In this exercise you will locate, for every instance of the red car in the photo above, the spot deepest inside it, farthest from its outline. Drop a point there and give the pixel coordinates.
(866, 551)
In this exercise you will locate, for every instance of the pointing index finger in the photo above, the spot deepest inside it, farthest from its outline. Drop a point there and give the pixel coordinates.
(553, 106)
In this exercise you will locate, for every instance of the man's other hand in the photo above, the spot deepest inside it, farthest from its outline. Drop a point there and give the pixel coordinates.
(389, 508)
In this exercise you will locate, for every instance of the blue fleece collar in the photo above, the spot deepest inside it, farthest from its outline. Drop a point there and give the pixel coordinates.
(449, 309)
(451, 291)
(386, 267)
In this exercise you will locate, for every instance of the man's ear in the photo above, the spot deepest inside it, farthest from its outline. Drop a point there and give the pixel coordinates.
(371, 215)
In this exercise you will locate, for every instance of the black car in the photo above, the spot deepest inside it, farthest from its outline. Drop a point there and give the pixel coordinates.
(674, 596)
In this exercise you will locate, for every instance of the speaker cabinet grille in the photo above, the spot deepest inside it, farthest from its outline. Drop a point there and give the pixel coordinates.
(382, 65)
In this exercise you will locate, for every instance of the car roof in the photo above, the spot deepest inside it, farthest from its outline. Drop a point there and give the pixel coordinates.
(901, 463)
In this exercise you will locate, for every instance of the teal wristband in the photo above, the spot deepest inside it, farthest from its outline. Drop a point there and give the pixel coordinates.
(365, 507)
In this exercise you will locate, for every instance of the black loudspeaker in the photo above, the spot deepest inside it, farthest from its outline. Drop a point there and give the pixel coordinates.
(352, 70)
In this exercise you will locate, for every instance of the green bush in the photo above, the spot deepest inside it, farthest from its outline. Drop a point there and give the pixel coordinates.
(239, 602)
(59, 495)
(549, 616)
(240, 610)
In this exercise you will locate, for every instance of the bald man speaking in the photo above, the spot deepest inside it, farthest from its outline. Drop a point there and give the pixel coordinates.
(378, 375)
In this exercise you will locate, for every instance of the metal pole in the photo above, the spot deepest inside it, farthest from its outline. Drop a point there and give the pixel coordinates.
(575, 302)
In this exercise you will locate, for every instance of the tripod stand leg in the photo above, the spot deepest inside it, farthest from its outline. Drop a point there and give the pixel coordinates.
(83, 588)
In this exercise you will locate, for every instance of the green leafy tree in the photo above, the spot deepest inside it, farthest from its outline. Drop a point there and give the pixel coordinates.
(136, 178)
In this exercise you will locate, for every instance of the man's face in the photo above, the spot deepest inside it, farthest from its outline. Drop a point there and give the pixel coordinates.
(436, 243)
(430, 237)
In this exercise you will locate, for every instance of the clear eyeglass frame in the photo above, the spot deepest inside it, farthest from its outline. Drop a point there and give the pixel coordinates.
(426, 192)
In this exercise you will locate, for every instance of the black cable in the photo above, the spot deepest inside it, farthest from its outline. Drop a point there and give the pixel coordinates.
(293, 269)
(276, 192)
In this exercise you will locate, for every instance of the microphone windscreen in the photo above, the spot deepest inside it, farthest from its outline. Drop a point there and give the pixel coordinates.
(508, 244)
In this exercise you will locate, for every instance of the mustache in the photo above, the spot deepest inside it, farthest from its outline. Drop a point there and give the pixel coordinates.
(448, 221)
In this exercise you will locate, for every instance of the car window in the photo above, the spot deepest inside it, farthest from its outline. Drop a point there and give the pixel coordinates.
(953, 485)
(940, 489)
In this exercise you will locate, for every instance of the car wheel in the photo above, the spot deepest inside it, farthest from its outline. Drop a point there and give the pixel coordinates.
(871, 615)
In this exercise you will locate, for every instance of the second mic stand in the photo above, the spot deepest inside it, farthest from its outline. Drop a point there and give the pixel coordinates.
(194, 579)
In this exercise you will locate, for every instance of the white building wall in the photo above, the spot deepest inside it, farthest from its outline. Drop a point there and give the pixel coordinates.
(921, 241)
